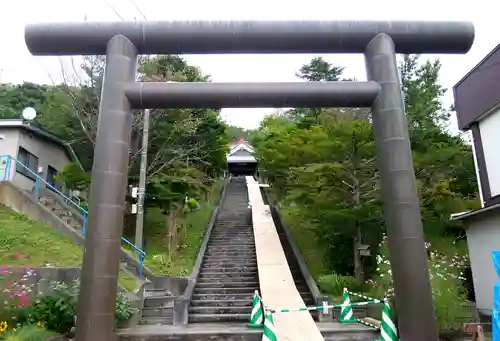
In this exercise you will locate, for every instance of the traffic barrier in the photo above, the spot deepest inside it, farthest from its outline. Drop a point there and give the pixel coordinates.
(346, 313)
(367, 298)
(324, 307)
(388, 329)
(269, 333)
(257, 315)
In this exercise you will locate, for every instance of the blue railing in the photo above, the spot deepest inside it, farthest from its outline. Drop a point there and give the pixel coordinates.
(9, 161)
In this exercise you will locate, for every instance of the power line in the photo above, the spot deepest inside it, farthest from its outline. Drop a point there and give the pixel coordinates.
(114, 10)
(138, 10)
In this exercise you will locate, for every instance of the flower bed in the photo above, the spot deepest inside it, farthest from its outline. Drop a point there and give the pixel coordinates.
(31, 304)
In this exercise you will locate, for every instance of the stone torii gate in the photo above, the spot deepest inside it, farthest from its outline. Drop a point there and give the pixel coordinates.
(122, 42)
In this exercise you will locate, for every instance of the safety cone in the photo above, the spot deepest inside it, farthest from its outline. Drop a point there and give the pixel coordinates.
(388, 330)
(257, 316)
(269, 332)
(346, 313)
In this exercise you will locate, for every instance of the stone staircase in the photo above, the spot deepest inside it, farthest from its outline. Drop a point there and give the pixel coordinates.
(73, 218)
(158, 307)
(228, 275)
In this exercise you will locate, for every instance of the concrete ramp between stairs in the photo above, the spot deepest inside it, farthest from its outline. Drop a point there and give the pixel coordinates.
(277, 285)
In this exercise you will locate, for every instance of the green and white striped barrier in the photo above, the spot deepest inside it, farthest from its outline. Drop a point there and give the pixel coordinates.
(388, 330)
(263, 317)
(269, 333)
(367, 298)
(346, 313)
(257, 315)
(324, 307)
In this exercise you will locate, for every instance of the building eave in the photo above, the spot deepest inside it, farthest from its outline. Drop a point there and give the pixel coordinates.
(476, 214)
(22, 125)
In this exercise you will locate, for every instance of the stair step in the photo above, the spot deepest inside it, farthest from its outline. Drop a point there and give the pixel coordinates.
(233, 247)
(224, 297)
(232, 241)
(231, 253)
(222, 302)
(241, 290)
(243, 231)
(218, 266)
(157, 312)
(231, 250)
(222, 230)
(246, 269)
(214, 310)
(157, 301)
(234, 259)
(226, 279)
(228, 276)
(227, 284)
(157, 293)
(156, 321)
(201, 318)
(245, 237)
(227, 263)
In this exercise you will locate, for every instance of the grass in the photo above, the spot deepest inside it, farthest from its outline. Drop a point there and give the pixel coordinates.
(306, 241)
(39, 244)
(128, 281)
(25, 242)
(195, 224)
(28, 333)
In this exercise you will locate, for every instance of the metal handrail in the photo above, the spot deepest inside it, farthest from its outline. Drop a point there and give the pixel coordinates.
(6, 176)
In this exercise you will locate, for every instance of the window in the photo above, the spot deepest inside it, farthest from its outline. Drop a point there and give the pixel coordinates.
(51, 178)
(29, 162)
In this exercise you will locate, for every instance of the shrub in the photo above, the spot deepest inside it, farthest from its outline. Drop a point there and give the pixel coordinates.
(123, 309)
(73, 177)
(57, 310)
(193, 204)
(334, 284)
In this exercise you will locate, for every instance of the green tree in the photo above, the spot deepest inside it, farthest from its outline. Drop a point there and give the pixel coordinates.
(235, 133)
(443, 162)
(319, 70)
(341, 192)
(187, 147)
(322, 163)
(183, 143)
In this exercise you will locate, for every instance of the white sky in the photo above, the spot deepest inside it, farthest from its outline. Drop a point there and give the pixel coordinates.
(17, 65)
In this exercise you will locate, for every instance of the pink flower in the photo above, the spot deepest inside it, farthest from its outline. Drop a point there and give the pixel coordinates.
(11, 297)
(10, 284)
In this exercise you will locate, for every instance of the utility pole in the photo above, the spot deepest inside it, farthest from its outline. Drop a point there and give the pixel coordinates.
(141, 193)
